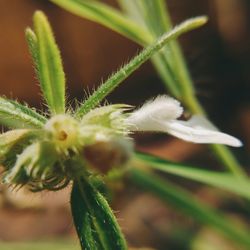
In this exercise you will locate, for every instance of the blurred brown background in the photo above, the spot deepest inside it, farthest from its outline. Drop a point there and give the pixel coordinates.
(218, 56)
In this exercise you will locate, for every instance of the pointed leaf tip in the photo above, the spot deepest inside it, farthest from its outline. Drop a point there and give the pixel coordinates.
(200, 20)
(50, 69)
(38, 14)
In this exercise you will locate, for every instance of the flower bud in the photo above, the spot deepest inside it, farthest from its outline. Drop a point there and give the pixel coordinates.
(35, 163)
(105, 155)
(12, 142)
(64, 132)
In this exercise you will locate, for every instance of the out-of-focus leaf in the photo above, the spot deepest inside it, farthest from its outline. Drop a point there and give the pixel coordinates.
(155, 19)
(107, 16)
(185, 202)
(224, 180)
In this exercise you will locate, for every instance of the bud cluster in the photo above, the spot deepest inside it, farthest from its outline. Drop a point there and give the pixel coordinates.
(41, 157)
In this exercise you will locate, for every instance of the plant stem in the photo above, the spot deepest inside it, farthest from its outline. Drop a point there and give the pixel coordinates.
(94, 220)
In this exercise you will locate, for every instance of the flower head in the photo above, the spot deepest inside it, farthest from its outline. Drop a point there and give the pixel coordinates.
(98, 137)
(40, 157)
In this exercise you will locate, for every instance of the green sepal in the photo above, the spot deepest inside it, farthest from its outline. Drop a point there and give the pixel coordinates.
(35, 163)
(15, 115)
(94, 220)
(106, 116)
(107, 119)
(12, 142)
(49, 64)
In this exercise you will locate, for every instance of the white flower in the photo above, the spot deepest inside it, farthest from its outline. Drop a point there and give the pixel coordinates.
(161, 114)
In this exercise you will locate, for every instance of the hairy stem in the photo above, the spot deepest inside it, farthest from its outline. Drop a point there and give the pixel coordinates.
(135, 63)
(94, 220)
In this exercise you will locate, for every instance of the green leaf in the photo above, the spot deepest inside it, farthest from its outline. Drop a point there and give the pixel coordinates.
(166, 74)
(226, 157)
(216, 179)
(131, 9)
(107, 16)
(49, 64)
(136, 62)
(156, 21)
(185, 202)
(33, 47)
(15, 115)
(95, 223)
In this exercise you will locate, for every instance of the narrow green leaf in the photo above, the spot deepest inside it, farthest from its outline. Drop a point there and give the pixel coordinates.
(166, 74)
(15, 115)
(216, 179)
(226, 157)
(33, 48)
(156, 21)
(136, 62)
(95, 223)
(107, 16)
(131, 9)
(49, 64)
(185, 202)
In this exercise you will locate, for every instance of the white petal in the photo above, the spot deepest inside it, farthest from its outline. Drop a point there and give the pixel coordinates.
(199, 130)
(161, 108)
